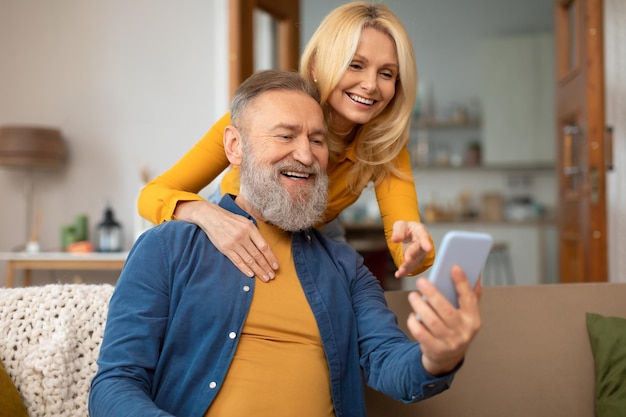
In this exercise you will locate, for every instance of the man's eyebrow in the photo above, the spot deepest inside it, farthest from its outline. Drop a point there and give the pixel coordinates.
(295, 128)
(321, 131)
(285, 126)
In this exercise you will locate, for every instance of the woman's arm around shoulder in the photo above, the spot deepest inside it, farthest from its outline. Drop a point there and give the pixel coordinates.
(194, 171)
(173, 195)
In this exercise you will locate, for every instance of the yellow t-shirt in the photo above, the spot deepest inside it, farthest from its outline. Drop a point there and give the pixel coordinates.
(397, 198)
(280, 367)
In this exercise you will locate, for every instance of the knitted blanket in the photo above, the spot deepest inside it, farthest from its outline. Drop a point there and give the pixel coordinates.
(49, 342)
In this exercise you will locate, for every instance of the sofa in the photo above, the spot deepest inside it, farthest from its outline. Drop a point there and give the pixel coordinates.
(532, 356)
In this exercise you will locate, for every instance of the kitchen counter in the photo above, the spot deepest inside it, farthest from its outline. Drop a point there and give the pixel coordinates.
(532, 244)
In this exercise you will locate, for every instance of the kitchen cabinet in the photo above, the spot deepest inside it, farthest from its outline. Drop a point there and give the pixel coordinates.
(518, 99)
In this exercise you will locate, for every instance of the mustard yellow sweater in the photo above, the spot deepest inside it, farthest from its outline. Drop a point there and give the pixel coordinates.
(397, 198)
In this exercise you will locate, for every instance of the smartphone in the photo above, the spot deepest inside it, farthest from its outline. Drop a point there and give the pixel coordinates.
(469, 250)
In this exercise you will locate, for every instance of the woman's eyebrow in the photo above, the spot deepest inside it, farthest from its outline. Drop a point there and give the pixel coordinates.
(364, 59)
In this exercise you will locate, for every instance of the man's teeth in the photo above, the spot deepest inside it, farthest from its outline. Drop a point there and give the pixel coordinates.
(361, 100)
(296, 174)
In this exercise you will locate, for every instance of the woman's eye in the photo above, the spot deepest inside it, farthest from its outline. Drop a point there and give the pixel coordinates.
(387, 75)
(356, 66)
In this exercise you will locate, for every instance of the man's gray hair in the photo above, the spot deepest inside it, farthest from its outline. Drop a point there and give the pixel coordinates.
(263, 81)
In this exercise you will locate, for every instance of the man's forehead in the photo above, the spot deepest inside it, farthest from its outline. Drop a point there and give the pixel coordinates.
(276, 107)
(277, 94)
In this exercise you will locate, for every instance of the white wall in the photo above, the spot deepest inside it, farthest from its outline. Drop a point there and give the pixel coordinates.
(446, 36)
(137, 83)
(129, 83)
(134, 83)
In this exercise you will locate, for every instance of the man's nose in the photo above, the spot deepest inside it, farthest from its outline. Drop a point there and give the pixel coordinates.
(303, 152)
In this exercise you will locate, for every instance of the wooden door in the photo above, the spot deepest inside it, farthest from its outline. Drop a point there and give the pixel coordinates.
(286, 15)
(580, 124)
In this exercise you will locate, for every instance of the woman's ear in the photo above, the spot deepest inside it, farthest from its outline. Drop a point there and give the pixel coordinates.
(312, 71)
(233, 144)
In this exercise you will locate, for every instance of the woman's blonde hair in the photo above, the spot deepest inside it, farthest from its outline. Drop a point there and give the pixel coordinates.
(328, 55)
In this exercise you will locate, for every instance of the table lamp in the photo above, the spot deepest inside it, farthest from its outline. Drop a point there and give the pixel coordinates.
(31, 148)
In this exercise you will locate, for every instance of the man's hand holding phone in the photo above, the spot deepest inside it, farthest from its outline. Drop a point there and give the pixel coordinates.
(444, 331)
(446, 315)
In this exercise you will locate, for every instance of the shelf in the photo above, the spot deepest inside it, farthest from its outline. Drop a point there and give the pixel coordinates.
(444, 125)
(539, 167)
(540, 221)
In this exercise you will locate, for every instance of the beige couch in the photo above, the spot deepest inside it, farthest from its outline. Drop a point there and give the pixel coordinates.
(531, 358)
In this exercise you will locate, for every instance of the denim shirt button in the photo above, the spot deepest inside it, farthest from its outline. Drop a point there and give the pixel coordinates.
(232, 335)
(246, 288)
(212, 384)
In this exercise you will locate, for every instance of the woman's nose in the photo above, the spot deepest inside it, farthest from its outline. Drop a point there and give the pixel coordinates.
(369, 81)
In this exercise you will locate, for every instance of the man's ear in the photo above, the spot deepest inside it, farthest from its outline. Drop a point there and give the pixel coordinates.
(233, 144)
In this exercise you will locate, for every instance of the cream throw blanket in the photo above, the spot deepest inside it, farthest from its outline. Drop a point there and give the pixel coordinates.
(49, 341)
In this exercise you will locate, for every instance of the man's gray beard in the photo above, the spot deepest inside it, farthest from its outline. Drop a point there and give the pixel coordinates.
(261, 187)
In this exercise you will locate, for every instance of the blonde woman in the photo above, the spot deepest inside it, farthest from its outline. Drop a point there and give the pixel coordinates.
(362, 61)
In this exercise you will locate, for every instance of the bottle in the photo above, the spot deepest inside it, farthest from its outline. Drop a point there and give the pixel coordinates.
(109, 233)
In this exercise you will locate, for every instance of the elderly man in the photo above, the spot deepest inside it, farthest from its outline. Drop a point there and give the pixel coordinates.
(183, 340)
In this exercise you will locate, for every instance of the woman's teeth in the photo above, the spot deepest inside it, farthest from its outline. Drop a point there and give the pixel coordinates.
(361, 100)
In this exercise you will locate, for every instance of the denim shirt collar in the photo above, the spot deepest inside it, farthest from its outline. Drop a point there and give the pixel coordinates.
(228, 203)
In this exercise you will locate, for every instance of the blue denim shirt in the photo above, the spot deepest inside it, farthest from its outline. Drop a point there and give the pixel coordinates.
(179, 307)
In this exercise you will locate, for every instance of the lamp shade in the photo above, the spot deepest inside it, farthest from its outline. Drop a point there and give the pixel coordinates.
(31, 147)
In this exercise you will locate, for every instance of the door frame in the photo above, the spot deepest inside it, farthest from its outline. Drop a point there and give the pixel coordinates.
(580, 132)
(241, 36)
